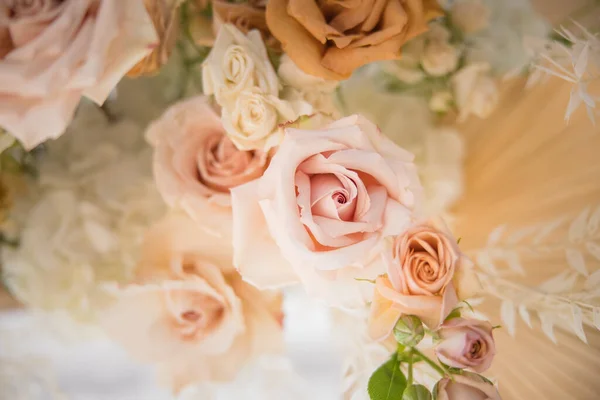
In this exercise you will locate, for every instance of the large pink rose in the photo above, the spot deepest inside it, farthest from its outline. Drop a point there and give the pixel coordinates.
(426, 276)
(196, 164)
(466, 386)
(188, 311)
(466, 343)
(52, 52)
(322, 208)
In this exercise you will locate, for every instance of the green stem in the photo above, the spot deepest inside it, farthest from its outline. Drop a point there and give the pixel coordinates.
(410, 366)
(430, 362)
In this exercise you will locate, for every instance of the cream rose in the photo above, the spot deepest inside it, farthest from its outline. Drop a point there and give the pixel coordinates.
(325, 203)
(470, 16)
(466, 343)
(235, 63)
(54, 52)
(475, 92)
(189, 312)
(196, 164)
(426, 276)
(466, 386)
(253, 121)
(439, 58)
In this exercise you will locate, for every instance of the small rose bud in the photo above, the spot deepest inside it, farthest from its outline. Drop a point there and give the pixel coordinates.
(409, 330)
(416, 392)
(441, 102)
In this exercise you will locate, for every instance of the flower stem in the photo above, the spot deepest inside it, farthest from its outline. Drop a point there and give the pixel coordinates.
(430, 362)
(410, 366)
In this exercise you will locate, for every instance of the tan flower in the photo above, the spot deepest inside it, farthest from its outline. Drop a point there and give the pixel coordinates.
(465, 386)
(470, 16)
(165, 17)
(426, 276)
(189, 312)
(330, 39)
(466, 343)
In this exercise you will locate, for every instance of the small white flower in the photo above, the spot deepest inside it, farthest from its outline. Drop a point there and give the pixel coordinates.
(439, 58)
(475, 92)
(237, 62)
(252, 122)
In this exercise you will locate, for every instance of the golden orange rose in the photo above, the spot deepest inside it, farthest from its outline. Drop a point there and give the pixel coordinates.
(331, 38)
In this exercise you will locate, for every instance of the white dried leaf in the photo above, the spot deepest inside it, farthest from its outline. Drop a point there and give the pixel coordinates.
(593, 281)
(576, 261)
(508, 316)
(517, 236)
(484, 261)
(578, 227)
(546, 230)
(562, 282)
(594, 221)
(582, 61)
(578, 322)
(525, 315)
(495, 235)
(596, 317)
(594, 249)
(513, 262)
(547, 326)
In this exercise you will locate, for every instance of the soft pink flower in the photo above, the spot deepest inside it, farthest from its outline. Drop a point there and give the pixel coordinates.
(466, 343)
(195, 164)
(322, 208)
(466, 386)
(426, 276)
(189, 312)
(53, 52)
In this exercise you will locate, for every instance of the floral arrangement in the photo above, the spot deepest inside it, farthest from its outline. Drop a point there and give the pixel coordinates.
(172, 212)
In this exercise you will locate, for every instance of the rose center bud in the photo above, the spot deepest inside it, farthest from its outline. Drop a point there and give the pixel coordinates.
(333, 196)
(222, 166)
(475, 349)
(236, 62)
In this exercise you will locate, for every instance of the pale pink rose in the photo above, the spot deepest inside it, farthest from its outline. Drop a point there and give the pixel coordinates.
(53, 52)
(196, 164)
(322, 208)
(466, 386)
(466, 343)
(188, 312)
(426, 276)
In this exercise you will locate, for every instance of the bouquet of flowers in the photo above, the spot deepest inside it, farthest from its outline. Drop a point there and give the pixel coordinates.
(256, 145)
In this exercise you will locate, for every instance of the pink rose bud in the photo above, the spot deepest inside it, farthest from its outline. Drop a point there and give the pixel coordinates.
(466, 343)
(466, 386)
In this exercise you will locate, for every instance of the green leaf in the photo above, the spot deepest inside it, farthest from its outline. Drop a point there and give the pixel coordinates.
(453, 314)
(387, 382)
(416, 392)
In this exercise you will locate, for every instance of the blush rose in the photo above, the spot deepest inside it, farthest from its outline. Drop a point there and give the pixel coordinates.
(325, 203)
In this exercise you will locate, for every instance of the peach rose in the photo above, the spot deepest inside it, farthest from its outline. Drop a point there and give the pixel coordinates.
(189, 312)
(53, 52)
(466, 343)
(330, 39)
(426, 275)
(466, 386)
(195, 164)
(322, 207)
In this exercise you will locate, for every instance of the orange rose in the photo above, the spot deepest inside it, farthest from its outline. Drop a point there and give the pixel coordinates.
(329, 39)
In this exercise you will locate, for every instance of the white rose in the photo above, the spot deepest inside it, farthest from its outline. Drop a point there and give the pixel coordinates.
(441, 101)
(470, 16)
(252, 122)
(439, 58)
(237, 62)
(475, 92)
